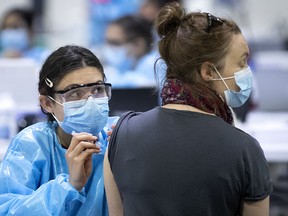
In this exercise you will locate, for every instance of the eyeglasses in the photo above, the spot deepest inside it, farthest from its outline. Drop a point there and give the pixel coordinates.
(83, 91)
(213, 22)
(115, 42)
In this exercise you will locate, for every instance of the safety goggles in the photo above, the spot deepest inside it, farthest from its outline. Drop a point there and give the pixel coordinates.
(83, 91)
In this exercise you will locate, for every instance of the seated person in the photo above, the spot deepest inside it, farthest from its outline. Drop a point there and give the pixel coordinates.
(102, 12)
(128, 55)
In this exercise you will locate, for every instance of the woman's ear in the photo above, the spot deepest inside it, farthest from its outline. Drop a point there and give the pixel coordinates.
(45, 103)
(206, 71)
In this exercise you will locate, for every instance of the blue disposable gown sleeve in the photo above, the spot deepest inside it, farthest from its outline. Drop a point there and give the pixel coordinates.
(56, 197)
(27, 187)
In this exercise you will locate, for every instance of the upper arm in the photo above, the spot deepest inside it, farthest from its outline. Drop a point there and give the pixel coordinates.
(114, 200)
(256, 208)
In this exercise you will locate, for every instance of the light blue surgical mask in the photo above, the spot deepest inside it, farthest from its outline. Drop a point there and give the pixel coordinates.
(117, 57)
(14, 39)
(90, 117)
(244, 80)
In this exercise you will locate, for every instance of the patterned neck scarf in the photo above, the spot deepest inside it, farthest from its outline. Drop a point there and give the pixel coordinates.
(199, 96)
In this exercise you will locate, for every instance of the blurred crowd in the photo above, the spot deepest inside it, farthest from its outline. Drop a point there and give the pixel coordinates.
(121, 35)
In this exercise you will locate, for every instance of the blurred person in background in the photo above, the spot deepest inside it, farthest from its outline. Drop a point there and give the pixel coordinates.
(56, 167)
(128, 54)
(17, 36)
(102, 12)
(149, 8)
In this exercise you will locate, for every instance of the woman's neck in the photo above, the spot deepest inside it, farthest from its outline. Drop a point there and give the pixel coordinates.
(197, 95)
(63, 138)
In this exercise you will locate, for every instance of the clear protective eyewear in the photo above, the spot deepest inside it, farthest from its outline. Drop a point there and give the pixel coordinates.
(83, 91)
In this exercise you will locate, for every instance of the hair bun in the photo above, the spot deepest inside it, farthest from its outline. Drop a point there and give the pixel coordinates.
(169, 19)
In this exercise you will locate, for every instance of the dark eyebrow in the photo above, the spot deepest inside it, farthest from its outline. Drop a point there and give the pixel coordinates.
(75, 85)
(114, 42)
(71, 86)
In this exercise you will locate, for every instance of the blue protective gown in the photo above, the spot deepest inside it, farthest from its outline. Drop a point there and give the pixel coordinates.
(34, 177)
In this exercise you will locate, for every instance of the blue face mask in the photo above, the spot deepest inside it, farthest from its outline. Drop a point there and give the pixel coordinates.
(14, 39)
(90, 117)
(117, 57)
(243, 79)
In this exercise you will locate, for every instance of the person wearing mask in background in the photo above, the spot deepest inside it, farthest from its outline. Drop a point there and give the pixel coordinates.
(18, 38)
(56, 167)
(102, 12)
(128, 55)
(186, 157)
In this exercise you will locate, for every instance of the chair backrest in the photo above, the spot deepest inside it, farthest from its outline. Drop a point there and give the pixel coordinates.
(137, 99)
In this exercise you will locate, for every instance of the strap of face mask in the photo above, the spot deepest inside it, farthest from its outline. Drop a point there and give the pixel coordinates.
(221, 78)
(54, 100)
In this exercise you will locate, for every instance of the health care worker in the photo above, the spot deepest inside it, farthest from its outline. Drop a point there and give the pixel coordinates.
(55, 167)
